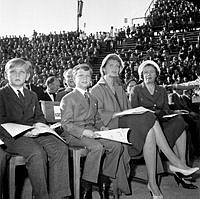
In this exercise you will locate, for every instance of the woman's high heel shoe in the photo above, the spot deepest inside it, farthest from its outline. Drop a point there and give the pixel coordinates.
(185, 172)
(152, 194)
(184, 182)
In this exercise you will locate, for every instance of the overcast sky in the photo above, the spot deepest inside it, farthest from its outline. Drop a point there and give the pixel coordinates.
(18, 17)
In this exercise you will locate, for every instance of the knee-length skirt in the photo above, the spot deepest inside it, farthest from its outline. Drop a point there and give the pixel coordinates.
(140, 125)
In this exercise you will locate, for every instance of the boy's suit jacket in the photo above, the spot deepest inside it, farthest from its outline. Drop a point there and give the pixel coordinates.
(12, 110)
(77, 114)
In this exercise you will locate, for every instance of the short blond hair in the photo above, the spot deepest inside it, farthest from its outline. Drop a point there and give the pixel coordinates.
(84, 66)
(16, 62)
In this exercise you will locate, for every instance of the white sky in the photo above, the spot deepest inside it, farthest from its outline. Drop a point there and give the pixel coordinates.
(18, 17)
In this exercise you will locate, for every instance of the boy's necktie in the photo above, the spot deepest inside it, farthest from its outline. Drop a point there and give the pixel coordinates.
(21, 97)
(87, 97)
(28, 87)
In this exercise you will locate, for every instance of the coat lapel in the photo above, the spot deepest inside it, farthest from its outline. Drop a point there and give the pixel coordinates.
(157, 93)
(148, 95)
(28, 96)
(81, 98)
(11, 94)
(112, 95)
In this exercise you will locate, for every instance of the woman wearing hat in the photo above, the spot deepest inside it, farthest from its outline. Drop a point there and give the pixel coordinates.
(145, 130)
(149, 95)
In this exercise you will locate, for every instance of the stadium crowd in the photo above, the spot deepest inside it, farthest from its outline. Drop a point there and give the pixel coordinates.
(50, 54)
(173, 50)
(175, 14)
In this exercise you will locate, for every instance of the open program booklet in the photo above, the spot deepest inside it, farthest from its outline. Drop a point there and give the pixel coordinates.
(30, 131)
(119, 135)
(1, 142)
(176, 112)
(138, 110)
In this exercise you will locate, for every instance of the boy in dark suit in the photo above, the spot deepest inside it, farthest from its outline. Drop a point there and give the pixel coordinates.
(20, 105)
(79, 119)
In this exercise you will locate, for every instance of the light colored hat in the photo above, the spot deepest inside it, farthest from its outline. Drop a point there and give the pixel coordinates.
(110, 57)
(147, 62)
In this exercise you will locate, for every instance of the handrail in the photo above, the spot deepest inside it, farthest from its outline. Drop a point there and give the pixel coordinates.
(148, 9)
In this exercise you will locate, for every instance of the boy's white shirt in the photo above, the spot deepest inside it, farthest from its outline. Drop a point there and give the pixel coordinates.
(16, 90)
(81, 90)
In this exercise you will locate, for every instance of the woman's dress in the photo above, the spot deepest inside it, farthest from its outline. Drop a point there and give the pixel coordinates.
(172, 127)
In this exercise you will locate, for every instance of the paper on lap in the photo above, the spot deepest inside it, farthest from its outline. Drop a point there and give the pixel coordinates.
(119, 135)
(177, 112)
(138, 110)
(29, 131)
(1, 142)
(15, 129)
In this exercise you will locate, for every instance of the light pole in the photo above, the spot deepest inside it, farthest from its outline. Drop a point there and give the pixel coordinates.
(79, 12)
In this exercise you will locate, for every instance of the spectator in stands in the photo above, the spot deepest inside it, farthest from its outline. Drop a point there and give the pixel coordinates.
(133, 30)
(128, 31)
(171, 25)
(32, 87)
(52, 86)
(139, 45)
(3, 83)
(191, 24)
(130, 84)
(68, 83)
(149, 95)
(181, 101)
(112, 99)
(96, 79)
(108, 41)
(121, 36)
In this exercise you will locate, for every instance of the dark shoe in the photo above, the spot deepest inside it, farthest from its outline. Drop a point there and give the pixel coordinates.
(104, 186)
(186, 183)
(86, 190)
(115, 196)
(104, 193)
(86, 194)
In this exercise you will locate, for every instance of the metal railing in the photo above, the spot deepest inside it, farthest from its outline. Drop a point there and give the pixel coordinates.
(149, 8)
